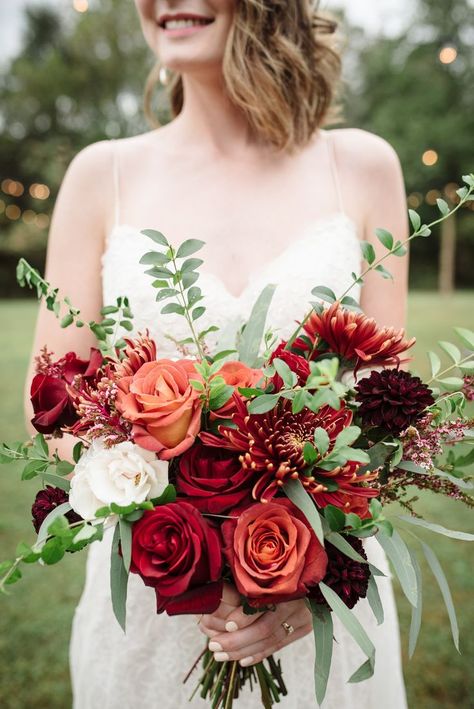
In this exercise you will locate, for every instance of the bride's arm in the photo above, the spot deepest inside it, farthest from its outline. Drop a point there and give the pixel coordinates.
(75, 245)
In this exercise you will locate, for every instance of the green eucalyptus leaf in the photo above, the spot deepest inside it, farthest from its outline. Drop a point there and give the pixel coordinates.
(156, 236)
(385, 238)
(263, 403)
(353, 626)
(466, 337)
(373, 598)
(435, 363)
(397, 552)
(188, 247)
(416, 610)
(368, 252)
(443, 207)
(324, 293)
(172, 308)
(451, 350)
(321, 440)
(438, 529)
(323, 641)
(126, 542)
(249, 345)
(299, 497)
(118, 581)
(438, 573)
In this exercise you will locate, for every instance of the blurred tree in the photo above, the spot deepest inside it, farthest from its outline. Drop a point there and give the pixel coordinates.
(415, 90)
(78, 78)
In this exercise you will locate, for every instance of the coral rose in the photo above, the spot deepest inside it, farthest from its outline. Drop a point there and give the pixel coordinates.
(162, 406)
(236, 374)
(178, 553)
(274, 554)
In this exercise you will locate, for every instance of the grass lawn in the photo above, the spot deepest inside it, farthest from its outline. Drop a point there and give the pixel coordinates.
(35, 619)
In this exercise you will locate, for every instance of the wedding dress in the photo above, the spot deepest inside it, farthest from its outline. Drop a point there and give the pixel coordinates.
(145, 667)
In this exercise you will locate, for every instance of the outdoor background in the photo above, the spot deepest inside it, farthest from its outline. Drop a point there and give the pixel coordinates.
(72, 73)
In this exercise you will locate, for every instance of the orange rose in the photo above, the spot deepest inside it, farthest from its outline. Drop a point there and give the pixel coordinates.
(237, 374)
(274, 554)
(162, 406)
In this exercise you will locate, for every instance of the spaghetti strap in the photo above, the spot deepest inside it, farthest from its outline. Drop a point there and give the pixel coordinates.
(116, 180)
(333, 163)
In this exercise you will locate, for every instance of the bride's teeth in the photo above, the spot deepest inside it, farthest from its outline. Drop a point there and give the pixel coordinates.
(178, 24)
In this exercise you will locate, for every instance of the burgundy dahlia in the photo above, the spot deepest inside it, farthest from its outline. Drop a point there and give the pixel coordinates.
(392, 399)
(45, 502)
(348, 578)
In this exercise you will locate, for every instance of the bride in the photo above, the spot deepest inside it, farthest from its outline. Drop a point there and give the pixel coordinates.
(246, 165)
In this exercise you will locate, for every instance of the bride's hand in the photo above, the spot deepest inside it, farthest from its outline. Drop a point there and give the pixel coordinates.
(251, 638)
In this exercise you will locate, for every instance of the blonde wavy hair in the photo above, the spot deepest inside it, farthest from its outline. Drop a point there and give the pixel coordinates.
(281, 67)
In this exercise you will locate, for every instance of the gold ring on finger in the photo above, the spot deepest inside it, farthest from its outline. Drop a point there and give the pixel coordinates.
(288, 628)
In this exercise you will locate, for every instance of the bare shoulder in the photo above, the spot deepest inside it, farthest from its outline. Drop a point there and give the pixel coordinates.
(365, 152)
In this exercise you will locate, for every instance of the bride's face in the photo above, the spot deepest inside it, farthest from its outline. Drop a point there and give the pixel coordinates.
(186, 35)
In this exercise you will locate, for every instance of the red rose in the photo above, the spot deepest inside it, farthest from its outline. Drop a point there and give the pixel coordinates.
(299, 365)
(176, 552)
(50, 399)
(274, 554)
(212, 479)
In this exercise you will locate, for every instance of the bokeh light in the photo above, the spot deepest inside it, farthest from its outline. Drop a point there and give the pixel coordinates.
(80, 5)
(429, 158)
(448, 54)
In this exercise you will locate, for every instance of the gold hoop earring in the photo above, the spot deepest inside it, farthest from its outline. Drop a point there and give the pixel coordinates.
(163, 76)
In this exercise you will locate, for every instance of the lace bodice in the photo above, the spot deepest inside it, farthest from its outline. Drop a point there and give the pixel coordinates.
(145, 667)
(326, 254)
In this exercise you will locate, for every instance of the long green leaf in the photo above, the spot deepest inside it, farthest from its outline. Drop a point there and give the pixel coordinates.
(463, 536)
(252, 336)
(56, 480)
(343, 545)
(299, 497)
(323, 640)
(126, 542)
(118, 581)
(57, 512)
(374, 600)
(353, 626)
(397, 552)
(438, 573)
(415, 623)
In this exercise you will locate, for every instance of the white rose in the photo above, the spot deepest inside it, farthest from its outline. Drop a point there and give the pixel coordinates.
(123, 474)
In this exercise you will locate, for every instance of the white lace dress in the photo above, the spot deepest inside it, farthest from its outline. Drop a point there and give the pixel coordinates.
(145, 667)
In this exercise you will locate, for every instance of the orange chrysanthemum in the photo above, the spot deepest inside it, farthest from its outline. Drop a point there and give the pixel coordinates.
(356, 338)
(137, 352)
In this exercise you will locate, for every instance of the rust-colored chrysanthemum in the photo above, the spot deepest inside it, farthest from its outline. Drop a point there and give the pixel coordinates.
(137, 352)
(271, 449)
(356, 338)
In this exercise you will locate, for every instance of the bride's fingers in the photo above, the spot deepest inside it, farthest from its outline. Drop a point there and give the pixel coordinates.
(254, 649)
(230, 596)
(237, 619)
(251, 634)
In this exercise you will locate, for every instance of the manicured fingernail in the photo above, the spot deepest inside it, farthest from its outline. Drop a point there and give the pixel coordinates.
(231, 626)
(246, 661)
(214, 647)
(221, 656)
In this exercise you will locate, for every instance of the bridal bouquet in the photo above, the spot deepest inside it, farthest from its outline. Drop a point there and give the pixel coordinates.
(264, 465)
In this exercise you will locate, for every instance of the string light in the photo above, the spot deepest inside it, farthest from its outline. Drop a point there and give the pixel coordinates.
(42, 221)
(429, 158)
(448, 54)
(432, 196)
(39, 191)
(12, 187)
(13, 212)
(414, 200)
(28, 216)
